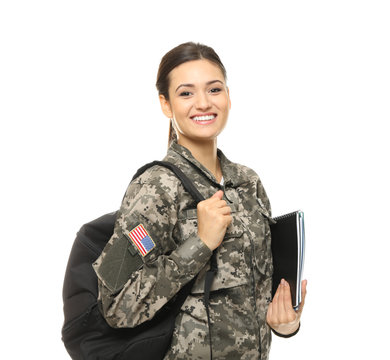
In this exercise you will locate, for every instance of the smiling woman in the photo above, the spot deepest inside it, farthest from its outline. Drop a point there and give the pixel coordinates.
(228, 231)
(199, 109)
(178, 56)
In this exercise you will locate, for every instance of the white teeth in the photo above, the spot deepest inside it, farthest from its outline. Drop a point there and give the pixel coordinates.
(203, 118)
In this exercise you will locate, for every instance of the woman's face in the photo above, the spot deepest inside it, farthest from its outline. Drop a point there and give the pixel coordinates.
(199, 101)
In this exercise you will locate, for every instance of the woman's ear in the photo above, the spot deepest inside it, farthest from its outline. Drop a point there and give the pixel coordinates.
(165, 106)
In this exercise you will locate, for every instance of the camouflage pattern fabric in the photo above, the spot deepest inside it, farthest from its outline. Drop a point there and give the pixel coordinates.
(241, 289)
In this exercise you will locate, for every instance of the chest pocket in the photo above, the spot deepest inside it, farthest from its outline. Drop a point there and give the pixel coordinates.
(232, 268)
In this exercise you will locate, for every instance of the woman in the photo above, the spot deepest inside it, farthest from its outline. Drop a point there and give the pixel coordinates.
(233, 220)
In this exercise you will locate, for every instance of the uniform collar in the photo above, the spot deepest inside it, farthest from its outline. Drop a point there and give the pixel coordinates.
(233, 174)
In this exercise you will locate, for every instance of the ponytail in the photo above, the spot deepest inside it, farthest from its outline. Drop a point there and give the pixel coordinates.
(172, 133)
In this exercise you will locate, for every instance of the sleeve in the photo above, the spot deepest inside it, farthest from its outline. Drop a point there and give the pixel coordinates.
(263, 198)
(289, 335)
(142, 267)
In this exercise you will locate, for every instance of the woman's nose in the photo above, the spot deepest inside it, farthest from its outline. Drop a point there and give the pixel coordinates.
(202, 102)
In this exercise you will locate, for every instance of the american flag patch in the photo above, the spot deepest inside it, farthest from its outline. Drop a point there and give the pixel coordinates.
(141, 239)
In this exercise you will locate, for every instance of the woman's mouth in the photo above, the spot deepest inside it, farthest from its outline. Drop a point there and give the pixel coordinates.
(204, 119)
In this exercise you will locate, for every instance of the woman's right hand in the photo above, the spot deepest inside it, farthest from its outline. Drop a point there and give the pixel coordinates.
(213, 219)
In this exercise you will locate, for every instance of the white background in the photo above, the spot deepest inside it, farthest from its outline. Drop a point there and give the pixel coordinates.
(309, 83)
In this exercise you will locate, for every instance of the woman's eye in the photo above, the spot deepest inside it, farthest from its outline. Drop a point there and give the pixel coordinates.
(215, 90)
(185, 93)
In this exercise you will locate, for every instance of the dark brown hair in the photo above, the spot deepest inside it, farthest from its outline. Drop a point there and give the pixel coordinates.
(188, 51)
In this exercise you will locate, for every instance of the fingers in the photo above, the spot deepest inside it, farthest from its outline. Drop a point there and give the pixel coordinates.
(214, 216)
(215, 202)
(287, 312)
(287, 302)
(303, 295)
(220, 204)
(215, 199)
(280, 311)
(290, 314)
(218, 195)
(223, 208)
(280, 302)
(304, 291)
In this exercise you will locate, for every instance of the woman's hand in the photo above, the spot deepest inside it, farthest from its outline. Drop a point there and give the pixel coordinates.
(281, 316)
(213, 219)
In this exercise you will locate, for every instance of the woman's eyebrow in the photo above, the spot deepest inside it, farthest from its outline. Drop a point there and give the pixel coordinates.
(192, 85)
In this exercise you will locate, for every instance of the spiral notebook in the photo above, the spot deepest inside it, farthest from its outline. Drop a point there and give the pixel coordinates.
(288, 251)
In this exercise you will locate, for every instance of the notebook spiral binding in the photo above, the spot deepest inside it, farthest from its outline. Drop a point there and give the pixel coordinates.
(286, 215)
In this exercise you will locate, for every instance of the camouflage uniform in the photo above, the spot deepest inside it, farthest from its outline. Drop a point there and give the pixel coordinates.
(241, 289)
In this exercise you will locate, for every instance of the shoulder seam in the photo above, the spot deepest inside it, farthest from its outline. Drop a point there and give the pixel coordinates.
(150, 172)
(149, 176)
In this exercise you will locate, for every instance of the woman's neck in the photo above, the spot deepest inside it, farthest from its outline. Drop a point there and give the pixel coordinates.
(206, 153)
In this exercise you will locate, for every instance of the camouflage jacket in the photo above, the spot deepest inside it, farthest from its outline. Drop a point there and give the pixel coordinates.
(157, 209)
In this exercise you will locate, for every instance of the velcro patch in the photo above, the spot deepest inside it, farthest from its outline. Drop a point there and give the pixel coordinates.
(141, 239)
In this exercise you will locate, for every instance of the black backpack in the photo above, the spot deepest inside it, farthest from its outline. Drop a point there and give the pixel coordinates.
(85, 332)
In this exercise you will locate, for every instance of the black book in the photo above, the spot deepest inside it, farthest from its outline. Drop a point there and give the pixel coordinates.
(288, 252)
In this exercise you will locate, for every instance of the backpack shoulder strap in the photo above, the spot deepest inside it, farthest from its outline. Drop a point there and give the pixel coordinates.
(190, 187)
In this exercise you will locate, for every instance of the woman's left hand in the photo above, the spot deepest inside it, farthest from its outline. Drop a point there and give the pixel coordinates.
(281, 316)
